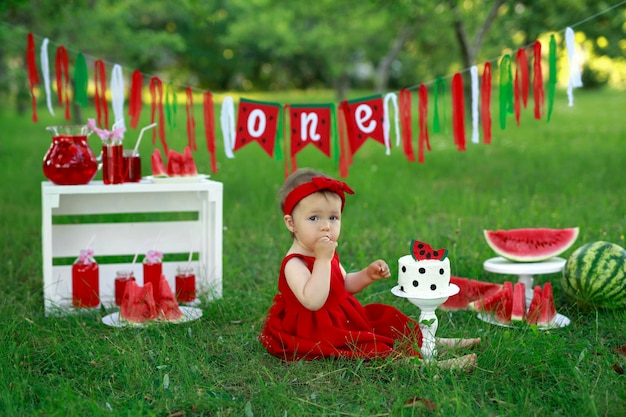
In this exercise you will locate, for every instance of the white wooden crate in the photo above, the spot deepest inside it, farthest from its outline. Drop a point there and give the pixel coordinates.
(199, 230)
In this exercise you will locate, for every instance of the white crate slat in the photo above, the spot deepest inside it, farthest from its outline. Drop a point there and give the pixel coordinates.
(203, 236)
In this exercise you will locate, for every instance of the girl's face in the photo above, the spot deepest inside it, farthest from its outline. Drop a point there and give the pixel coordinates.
(315, 216)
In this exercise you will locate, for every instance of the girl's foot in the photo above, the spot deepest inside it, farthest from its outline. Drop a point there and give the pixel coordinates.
(457, 343)
(465, 363)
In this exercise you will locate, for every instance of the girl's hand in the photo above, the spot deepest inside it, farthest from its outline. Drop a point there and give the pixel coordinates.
(324, 249)
(378, 270)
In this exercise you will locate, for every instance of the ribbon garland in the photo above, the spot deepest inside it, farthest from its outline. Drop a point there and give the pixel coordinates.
(63, 79)
(475, 99)
(505, 89)
(45, 70)
(404, 99)
(520, 88)
(135, 101)
(117, 96)
(100, 97)
(191, 121)
(386, 121)
(156, 92)
(33, 76)
(574, 66)
(423, 123)
(227, 122)
(485, 103)
(438, 89)
(209, 127)
(171, 105)
(345, 158)
(538, 94)
(458, 111)
(81, 80)
(552, 72)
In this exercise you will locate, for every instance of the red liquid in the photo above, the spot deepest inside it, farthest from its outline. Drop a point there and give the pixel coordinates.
(112, 164)
(132, 168)
(152, 273)
(85, 285)
(185, 288)
(69, 161)
(120, 287)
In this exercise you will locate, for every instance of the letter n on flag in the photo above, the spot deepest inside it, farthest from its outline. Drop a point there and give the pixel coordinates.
(309, 124)
(257, 121)
(364, 119)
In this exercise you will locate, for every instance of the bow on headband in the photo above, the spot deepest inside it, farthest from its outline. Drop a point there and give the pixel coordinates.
(316, 184)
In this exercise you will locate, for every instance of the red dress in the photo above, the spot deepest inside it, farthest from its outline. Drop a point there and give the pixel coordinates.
(343, 327)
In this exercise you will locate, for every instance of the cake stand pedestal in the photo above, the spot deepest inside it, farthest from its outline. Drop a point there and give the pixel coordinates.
(428, 321)
(524, 270)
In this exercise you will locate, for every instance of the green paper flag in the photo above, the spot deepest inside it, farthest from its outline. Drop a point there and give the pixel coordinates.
(80, 80)
(552, 79)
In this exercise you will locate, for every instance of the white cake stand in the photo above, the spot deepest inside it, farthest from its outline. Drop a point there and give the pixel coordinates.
(428, 321)
(524, 270)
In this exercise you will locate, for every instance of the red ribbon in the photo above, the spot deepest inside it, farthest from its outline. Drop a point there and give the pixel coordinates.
(423, 123)
(100, 96)
(316, 184)
(63, 79)
(458, 111)
(520, 87)
(135, 101)
(404, 100)
(191, 121)
(538, 93)
(345, 158)
(33, 76)
(209, 127)
(485, 103)
(156, 91)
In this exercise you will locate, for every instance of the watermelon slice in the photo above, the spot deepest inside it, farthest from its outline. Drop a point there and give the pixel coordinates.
(535, 306)
(470, 290)
(167, 306)
(531, 244)
(138, 304)
(423, 251)
(188, 164)
(518, 313)
(499, 305)
(548, 310)
(174, 163)
(158, 169)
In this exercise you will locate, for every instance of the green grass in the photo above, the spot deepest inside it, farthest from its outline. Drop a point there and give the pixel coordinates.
(569, 172)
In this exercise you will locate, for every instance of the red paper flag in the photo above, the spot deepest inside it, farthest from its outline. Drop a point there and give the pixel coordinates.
(33, 75)
(310, 125)
(191, 121)
(364, 118)
(257, 121)
(538, 93)
(135, 100)
(209, 127)
(423, 123)
(458, 111)
(485, 103)
(100, 97)
(63, 79)
(156, 91)
(404, 100)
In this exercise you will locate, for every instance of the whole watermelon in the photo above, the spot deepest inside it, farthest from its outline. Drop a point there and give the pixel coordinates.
(595, 276)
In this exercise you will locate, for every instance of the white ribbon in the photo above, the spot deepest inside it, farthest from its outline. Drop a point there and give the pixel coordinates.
(574, 66)
(227, 121)
(45, 70)
(386, 126)
(117, 96)
(474, 78)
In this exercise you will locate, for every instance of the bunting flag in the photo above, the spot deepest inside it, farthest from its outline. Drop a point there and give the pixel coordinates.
(364, 119)
(209, 127)
(191, 121)
(45, 71)
(257, 121)
(156, 92)
(135, 99)
(33, 75)
(406, 123)
(485, 103)
(63, 79)
(309, 125)
(81, 80)
(521, 84)
(552, 73)
(100, 97)
(439, 89)
(538, 94)
(458, 111)
(506, 93)
(423, 123)
(474, 105)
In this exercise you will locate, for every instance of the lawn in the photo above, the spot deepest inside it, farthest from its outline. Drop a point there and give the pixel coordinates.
(563, 173)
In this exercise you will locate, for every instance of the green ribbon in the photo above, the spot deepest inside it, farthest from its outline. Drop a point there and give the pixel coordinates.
(278, 149)
(81, 75)
(333, 133)
(552, 79)
(170, 105)
(440, 84)
(506, 90)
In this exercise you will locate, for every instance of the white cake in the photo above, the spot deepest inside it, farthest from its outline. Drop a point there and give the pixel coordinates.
(428, 278)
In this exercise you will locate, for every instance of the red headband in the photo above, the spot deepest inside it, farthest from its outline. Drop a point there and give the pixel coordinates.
(316, 184)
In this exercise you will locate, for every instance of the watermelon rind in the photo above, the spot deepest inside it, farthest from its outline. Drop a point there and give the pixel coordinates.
(531, 244)
(594, 276)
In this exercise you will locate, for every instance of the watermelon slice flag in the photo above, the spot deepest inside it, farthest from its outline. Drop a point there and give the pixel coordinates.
(257, 121)
(309, 125)
(364, 119)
